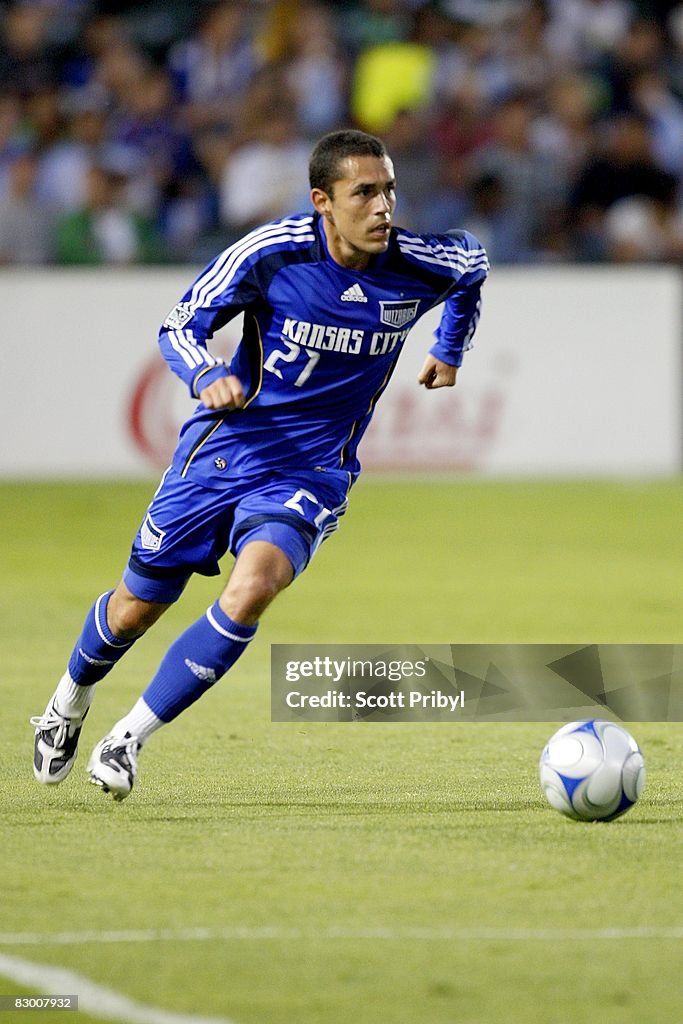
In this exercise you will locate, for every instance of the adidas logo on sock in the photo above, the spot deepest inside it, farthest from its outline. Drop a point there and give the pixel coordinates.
(94, 661)
(207, 675)
(354, 294)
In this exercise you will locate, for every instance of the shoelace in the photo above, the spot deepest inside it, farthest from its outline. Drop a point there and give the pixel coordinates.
(51, 720)
(125, 750)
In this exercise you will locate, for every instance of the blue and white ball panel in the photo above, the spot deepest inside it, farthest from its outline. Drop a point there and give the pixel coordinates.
(592, 771)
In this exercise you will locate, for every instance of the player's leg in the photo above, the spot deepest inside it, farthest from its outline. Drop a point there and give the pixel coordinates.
(113, 624)
(275, 530)
(196, 660)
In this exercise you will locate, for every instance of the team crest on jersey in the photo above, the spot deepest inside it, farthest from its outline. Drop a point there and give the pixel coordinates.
(178, 316)
(398, 314)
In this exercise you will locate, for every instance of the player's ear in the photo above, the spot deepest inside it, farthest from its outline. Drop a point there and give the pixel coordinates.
(321, 201)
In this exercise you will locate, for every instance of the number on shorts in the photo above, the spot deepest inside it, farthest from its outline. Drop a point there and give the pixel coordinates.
(295, 503)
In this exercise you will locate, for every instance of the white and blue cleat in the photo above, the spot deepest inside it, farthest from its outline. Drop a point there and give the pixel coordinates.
(113, 764)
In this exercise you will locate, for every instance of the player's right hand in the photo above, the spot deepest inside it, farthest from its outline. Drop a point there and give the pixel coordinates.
(224, 393)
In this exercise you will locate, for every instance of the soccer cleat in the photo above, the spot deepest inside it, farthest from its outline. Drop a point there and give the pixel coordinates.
(56, 744)
(113, 764)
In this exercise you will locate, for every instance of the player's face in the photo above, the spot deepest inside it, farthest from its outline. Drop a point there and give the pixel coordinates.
(357, 216)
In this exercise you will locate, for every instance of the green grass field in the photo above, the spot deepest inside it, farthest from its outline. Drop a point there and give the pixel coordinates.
(350, 873)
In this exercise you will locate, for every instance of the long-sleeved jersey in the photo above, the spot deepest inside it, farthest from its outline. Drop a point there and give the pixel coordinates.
(319, 343)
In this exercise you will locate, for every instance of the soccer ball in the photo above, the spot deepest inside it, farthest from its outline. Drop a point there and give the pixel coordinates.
(592, 771)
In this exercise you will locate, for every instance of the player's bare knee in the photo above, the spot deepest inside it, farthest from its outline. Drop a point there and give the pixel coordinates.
(261, 571)
(129, 621)
(244, 600)
(129, 617)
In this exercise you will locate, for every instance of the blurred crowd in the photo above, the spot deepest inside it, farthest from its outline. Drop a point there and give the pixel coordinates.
(160, 131)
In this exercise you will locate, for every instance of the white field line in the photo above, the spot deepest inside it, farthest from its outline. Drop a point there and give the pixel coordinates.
(94, 999)
(238, 933)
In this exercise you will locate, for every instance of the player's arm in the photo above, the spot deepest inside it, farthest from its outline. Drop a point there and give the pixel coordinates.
(183, 341)
(217, 296)
(453, 338)
(460, 314)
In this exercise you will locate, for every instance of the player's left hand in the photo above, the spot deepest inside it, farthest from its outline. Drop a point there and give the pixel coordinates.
(435, 374)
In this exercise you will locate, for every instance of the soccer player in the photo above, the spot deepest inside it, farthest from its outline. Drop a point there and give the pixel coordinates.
(264, 465)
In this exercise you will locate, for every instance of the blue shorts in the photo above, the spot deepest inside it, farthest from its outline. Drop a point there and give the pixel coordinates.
(188, 528)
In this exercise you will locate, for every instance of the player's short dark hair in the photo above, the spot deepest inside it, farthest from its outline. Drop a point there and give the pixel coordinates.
(323, 167)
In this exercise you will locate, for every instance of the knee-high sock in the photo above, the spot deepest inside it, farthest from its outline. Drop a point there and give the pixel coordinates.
(194, 662)
(97, 649)
(96, 652)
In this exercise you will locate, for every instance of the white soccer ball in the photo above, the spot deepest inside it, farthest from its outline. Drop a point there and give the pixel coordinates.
(592, 771)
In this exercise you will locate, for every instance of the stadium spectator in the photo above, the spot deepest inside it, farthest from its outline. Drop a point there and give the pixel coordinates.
(98, 34)
(105, 231)
(651, 96)
(624, 168)
(44, 116)
(473, 64)
(13, 136)
(263, 177)
(65, 162)
(563, 129)
(188, 216)
(525, 177)
(672, 59)
(639, 50)
(119, 71)
(26, 223)
(316, 75)
(463, 123)
(409, 140)
(448, 203)
(277, 29)
(581, 33)
(212, 70)
(503, 232)
(523, 44)
(375, 23)
(639, 229)
(144, 123)
(28, 63)
(198, 197)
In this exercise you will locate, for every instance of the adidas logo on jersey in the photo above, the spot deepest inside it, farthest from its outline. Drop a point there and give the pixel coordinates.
(354, 294)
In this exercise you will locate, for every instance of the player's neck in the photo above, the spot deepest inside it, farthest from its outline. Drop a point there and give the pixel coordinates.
(341, 251)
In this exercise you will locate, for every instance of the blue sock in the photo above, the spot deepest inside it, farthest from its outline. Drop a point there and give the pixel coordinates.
(97, 649)
(195, 661)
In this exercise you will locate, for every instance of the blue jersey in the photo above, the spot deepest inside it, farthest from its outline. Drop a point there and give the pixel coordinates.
(319, 343)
